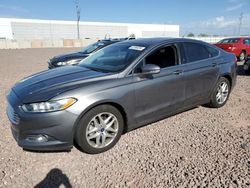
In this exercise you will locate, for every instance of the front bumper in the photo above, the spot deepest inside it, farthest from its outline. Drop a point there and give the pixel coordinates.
(56, 127)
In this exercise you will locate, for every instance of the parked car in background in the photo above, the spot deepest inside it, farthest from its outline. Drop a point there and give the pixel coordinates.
(246, 65)
(240, 46)
(75, 57)
(117, 89)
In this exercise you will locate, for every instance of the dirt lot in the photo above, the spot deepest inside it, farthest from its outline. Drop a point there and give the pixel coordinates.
(202, 147)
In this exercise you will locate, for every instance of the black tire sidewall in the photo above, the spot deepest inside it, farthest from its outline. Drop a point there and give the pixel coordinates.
(214, 102)
(80, 135)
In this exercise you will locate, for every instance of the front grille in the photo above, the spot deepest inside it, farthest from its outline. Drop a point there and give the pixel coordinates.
(13, 116)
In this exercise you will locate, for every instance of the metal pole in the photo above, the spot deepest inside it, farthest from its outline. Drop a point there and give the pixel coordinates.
(240, 22)
(78, 14)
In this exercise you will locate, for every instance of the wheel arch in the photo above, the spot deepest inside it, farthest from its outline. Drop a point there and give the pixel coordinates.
(229, 78)
(112, 103)
(244, 50)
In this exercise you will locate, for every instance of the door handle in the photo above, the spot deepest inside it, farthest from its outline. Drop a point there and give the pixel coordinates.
(214, 64)
(178, 72)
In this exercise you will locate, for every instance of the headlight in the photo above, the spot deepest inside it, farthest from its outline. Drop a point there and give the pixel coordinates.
(70, 62)
(49, 106)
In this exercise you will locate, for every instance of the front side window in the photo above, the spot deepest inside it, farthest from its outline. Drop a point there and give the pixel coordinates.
(113, 58)
(163, 57)
(195, 51)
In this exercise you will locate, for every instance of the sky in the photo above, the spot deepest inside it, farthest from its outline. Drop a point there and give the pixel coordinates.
(213, 17)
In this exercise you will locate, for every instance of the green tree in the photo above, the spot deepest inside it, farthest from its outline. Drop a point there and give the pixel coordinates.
(190, 35)
(203, 35)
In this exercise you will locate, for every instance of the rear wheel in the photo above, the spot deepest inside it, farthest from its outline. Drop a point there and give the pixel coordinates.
(246, 67)
(99, 129)
(220, 94)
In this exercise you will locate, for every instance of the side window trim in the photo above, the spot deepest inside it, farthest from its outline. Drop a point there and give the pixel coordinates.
(178, 48)
(183, 58)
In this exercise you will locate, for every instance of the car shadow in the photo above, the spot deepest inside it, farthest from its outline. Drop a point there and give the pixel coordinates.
(55, 179)
(52, 151)
(241, 71)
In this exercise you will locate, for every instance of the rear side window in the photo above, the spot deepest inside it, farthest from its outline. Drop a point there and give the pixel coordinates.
(246, 41)
(212, 51)
(195, 51)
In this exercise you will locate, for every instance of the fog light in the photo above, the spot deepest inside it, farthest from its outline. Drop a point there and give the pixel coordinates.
(37, 138)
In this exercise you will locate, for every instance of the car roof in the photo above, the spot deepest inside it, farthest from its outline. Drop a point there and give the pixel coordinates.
(240, 37)
(149, 42)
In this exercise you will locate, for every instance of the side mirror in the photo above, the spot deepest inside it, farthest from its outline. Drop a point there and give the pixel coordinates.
(150, 69)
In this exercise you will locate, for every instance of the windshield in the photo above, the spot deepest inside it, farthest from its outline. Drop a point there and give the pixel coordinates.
(232, 40)
(92, 47)
(113, 58)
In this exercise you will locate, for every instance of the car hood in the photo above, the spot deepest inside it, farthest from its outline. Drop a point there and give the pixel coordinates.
(47, 84)
(69, 56)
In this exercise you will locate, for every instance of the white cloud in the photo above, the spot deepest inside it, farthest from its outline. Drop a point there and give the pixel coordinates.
(219, 25)
(235, 7)
(219, 22)
(220, 19)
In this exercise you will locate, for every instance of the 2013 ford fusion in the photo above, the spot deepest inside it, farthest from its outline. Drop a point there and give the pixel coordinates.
(117, 89)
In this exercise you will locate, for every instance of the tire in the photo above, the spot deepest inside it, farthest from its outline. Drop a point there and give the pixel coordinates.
(242, 56)
(215, 102)
(247, 72)
(93, 135)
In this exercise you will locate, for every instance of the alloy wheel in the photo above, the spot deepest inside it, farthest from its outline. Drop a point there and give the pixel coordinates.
(102, 130)
(222, 93)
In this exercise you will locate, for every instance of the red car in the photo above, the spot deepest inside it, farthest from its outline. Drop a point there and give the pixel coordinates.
(240, 46)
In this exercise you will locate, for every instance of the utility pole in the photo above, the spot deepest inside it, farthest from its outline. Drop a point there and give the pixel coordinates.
(240, 22)
(78, 15)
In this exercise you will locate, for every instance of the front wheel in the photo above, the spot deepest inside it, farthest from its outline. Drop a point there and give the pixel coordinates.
(220, 94)
(99, 129)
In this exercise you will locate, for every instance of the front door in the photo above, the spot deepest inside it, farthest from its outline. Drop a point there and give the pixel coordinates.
(158, 95)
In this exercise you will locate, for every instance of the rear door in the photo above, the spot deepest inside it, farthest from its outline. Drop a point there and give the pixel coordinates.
(200, 71)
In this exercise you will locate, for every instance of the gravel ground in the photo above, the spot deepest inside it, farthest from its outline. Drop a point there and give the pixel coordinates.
(202, 147)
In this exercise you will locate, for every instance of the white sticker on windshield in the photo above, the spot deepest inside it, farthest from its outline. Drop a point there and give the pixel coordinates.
(100, 44)
(138, 48)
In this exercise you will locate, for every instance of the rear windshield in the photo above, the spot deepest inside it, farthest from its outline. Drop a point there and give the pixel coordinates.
(232, 40)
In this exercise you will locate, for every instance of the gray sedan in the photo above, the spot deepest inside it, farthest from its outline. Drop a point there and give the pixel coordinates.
(117, 89)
